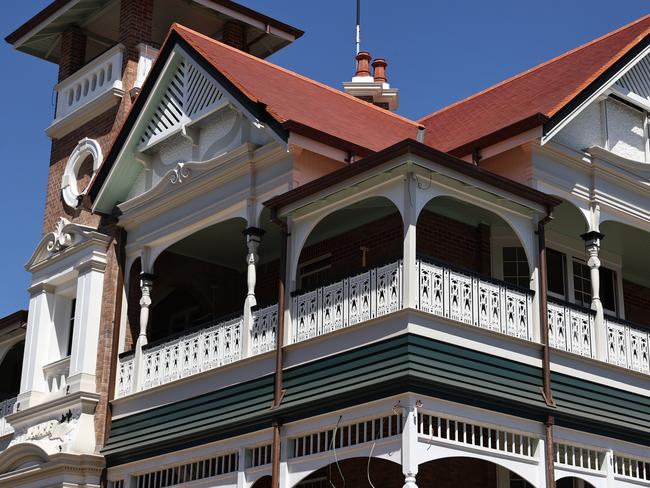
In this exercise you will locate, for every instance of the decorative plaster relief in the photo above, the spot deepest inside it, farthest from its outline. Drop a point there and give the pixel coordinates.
(71, 175)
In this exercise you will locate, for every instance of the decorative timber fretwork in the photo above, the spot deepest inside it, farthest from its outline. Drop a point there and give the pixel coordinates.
(190, 94)
(65, 237)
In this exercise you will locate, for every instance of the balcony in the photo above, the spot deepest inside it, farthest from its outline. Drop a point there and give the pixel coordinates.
(56, 375)
(95, 88)
(445, 291)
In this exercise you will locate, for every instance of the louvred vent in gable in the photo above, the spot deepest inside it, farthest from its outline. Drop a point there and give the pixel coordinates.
(189, 95)
(637, 80)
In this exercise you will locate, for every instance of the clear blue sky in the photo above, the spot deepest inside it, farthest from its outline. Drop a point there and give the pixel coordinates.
(438, 52)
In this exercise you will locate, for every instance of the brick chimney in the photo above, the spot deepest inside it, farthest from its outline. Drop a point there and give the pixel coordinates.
(372, 88)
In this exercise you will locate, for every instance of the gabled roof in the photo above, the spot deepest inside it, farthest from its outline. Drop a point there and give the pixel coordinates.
(285, 100)
(532, 98)
(299, 102)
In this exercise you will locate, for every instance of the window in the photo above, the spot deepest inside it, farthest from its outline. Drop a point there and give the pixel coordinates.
(515, 266)
(73, 311)
(556, 273)
(314, 272)
(582, 286)
(581, 283)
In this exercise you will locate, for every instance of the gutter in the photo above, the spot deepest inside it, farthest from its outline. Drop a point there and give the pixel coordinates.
(278, 392)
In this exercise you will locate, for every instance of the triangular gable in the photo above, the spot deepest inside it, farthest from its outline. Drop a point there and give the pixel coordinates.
(190, 93)
(180, 91)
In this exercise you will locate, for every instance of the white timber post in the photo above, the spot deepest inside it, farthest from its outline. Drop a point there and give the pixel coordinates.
(241, 468)
(85, 334)
(146, 286)
(609, 467)
(40, 330)
(284, 462)
(535, 286)
(410, 264)
(410, 444)
(592, 247)
(253, 240)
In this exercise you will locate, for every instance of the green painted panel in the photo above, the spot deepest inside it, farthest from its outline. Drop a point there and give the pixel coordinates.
(405, 363)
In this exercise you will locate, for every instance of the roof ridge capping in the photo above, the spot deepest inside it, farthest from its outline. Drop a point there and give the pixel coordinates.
(181, 29)
(420, 149)
(546, 63)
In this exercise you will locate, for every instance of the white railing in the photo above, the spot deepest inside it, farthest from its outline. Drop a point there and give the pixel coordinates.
(193, 353)
(571, 328)
(125, 378)
(436, 428)
(347, 302)
(56, 375)
(627, 346)
(476, 301)
(630, 468)
(265, 325)
(6, 407)
(98, 77)
(579, 457)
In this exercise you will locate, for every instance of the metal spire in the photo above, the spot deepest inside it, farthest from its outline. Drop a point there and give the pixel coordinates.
(358, 26)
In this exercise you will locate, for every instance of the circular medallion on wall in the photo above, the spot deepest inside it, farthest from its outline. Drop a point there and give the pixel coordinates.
(79, 171)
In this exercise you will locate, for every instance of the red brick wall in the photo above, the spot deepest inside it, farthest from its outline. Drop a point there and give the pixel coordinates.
(454, 242)
(234, 34)
(73, 51)
(636, 299)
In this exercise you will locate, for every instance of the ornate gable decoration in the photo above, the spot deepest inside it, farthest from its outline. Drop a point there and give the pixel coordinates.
(636, 82)
(190, 94)
(66, 235)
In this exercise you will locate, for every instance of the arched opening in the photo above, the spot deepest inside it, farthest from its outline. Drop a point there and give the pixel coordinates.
(363, 235)
(11, 367)
(572, 482)
(364, 472)
(474, 268)
(263, 482)
(466, 236)
(358, 473)
(625, 272)
(469, 473)
(567, 272)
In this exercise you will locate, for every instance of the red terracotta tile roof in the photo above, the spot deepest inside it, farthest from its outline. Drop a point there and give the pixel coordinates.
(302, 103)
(527, 99)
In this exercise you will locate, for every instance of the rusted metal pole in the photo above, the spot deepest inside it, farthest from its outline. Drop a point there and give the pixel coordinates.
(550, 451)
(279, 358)
(543, 312)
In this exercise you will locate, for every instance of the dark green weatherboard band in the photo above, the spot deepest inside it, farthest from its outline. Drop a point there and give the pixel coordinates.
(408, 363)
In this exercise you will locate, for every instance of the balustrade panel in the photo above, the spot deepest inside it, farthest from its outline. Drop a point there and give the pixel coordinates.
(473, 300)
(627, 345)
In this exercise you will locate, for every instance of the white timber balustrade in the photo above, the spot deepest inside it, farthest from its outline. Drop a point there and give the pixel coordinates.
(571, 328)
(192, 353)
(627, 345)
(6, 407)
(97, 78)
(56, 375)
(473, 300)
(347, 302)
(200, 350)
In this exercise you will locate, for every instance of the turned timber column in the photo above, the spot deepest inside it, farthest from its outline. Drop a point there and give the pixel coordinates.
(592, 247)
(409, 445)
(253, 240)
(146, 285)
